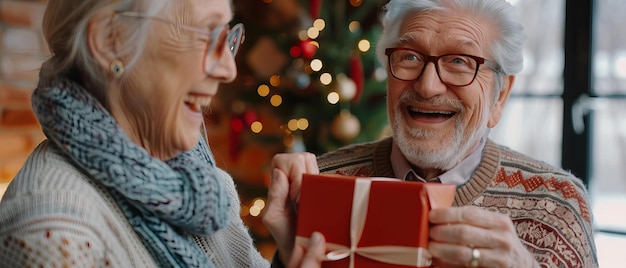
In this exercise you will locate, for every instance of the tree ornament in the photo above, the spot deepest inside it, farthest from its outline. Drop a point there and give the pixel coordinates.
(308, 48)
(345, 127)
(265, 58)
(315, 6)
(356, 73)
(235, 138)
(346, 87)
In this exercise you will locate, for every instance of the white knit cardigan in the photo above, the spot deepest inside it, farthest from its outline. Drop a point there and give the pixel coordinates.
(55, 216)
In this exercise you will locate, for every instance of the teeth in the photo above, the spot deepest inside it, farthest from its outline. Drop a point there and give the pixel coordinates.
(415, 110)
(196, 102)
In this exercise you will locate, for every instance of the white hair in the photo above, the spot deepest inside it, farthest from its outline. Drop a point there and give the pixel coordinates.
(65, 28)
(506, 50)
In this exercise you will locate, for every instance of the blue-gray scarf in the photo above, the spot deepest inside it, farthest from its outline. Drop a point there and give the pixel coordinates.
(165, 202)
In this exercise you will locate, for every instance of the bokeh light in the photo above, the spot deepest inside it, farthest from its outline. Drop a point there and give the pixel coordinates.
(256, 127)
(263, 90)
(326, 79)
(276, 100)
(333, 97)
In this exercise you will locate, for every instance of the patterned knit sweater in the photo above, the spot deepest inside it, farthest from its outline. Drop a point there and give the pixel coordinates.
(548, 206)
(53, 215)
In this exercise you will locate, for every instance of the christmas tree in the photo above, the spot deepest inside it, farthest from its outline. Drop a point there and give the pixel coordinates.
(308, 80)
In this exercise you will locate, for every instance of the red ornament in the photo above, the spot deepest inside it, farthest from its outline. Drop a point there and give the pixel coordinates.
(235, 138)
(356, 73)
(308, 48)
(238, 125)
(295, 51)
(249, 117)
(315, 6)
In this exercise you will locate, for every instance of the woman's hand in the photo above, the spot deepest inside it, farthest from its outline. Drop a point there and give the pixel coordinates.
(283, 195)
(457, 232)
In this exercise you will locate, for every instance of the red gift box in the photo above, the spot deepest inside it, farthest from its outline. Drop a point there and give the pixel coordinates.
(370, 222)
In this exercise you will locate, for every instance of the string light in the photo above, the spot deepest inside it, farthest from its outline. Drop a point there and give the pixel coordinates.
(275, 80)
(255, 211)
(313, 33)
(263, 90)
(298, 124)
(333, 97)
(292, 124)
(354, 26)
(364, 45)
(276, 100)
(319, 24)
(316, 65)
(257, 206)
(303, 124)
(259, 203)
(256, 127)
(326, 79)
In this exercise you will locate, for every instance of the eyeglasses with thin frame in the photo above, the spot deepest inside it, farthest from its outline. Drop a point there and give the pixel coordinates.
(457, 70)
(218, 38)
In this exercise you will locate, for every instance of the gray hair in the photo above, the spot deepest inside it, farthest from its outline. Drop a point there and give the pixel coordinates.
(65, 28)
(506, 50)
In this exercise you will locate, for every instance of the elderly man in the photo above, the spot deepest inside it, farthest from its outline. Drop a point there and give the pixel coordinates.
(451, 65)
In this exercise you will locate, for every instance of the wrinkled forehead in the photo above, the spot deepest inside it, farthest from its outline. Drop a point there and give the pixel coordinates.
(447, 27)
(201, 12)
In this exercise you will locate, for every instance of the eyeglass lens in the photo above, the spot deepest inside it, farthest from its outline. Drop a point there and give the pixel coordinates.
(225, 37)
(456, 70)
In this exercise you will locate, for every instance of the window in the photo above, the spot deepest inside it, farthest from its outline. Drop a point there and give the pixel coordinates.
(531, 121)
(606, 107)
(545, 116)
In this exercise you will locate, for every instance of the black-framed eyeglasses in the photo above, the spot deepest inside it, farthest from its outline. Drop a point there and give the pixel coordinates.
(457, 70)
(218, 38)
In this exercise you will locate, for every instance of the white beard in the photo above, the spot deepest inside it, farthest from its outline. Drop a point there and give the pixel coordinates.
(419, 151)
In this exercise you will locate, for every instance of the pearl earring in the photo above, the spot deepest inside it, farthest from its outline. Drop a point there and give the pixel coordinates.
(117, 68)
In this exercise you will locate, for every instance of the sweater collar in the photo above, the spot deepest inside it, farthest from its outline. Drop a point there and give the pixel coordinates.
(480, 179)
(457, 175)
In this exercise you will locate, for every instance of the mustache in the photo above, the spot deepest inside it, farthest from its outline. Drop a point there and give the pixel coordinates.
(412, 97)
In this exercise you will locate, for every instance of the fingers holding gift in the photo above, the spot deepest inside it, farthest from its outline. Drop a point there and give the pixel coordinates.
(455, 232)
(473, 216)
(449, 255)
(315, 253)
(279, 217)
(465, 234)
(278, 207)
(294, 165)
(283, 193)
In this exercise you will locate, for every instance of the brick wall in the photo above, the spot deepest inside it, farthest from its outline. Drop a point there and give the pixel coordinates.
(22, 50)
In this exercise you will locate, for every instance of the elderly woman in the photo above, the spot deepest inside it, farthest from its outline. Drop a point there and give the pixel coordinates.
(125, 178)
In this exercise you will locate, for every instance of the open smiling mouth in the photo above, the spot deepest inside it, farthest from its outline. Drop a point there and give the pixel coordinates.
(196, 102)
(432, 115)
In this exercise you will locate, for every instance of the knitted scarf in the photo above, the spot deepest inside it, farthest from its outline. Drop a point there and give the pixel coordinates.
(164, 202)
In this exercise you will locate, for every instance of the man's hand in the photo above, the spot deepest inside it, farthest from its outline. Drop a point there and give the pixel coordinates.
(456, 231)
